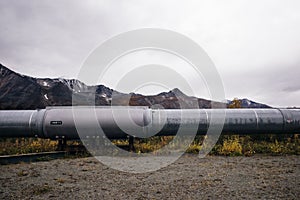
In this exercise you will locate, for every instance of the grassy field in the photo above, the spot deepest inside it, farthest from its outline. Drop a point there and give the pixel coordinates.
(233, 145)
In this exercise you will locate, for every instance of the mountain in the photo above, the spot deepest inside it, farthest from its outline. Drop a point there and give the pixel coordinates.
(23, 92)
(246, 103)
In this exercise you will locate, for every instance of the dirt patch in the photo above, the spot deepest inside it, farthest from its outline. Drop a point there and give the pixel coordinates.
(213, 177)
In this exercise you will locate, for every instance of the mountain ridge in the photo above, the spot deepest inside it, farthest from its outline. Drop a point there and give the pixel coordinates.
(19, 91)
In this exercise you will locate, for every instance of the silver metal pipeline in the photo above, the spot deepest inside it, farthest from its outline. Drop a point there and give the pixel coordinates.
(118, 122)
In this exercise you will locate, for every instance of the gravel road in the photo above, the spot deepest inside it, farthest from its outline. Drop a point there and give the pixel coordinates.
(213, 177)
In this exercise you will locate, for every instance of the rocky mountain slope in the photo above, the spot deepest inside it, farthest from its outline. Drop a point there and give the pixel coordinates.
(246, 103)
(23, 92)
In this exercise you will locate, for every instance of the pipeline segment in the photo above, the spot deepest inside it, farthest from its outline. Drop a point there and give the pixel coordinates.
(142, 122)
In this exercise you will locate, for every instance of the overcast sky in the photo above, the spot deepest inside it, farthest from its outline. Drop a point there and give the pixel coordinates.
(255, 45)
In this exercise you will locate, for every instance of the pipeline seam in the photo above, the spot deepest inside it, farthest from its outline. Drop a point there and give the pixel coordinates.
(45, 111)
(30, 119)
(283, 118)
(207, 124)
(256, 117)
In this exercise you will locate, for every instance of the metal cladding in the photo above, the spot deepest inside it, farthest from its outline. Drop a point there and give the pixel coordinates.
(21, 123)
(142, 122)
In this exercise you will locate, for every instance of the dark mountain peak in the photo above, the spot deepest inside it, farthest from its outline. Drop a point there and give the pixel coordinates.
(246, 103)
(74, 84)
(3, 67)
(174, 93)
(4, 71)
(101, 89)
(177, 92)
(8, 75)
(23, 92)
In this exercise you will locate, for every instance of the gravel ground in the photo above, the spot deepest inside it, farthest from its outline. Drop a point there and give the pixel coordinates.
(213, 177)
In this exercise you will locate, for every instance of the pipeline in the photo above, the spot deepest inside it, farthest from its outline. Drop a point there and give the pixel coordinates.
(142, 122)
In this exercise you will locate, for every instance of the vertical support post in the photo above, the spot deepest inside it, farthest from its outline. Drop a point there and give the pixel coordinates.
(131, 144)
(62, 144)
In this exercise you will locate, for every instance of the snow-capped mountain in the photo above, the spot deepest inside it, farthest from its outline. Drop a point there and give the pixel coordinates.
(23, 92)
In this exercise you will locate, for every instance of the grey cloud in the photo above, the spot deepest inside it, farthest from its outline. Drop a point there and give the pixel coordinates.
(254, 44)
(294, 88)
(45, 35)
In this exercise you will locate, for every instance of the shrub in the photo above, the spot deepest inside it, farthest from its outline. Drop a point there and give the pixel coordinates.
(231, 147)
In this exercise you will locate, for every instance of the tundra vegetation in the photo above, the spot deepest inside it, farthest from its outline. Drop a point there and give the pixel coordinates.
(227, 145)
